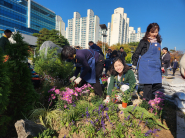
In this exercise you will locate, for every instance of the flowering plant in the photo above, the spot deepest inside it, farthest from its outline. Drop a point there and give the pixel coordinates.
(104, 80)
(69, 95)
(126, 98)
(157, 103)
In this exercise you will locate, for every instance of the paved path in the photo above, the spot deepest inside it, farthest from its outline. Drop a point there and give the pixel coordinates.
(177, 74)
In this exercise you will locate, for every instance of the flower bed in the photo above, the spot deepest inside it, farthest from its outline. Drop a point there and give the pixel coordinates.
(79, 113)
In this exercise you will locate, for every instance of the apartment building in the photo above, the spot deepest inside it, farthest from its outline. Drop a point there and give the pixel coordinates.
(60, 25)
(119, 27)
(81, 30)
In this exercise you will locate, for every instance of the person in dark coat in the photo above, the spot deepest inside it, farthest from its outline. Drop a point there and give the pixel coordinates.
(122, 54)
(91, 72)
(175, 65)
(149, 67)
(4, 40)
(165, 61)
(95, 47)
(108, 55)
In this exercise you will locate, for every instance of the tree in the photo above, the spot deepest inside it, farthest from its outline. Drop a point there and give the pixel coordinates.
(23, 96)
(50, 35)
(4, 94)
(175, 54)
(134, 44)
(127, 48)
(99, 43)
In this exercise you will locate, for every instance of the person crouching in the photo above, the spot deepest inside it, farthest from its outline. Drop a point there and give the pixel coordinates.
(122, 77)
(92, 66)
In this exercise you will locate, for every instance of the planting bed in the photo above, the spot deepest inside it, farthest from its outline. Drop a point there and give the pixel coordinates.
(78, 113)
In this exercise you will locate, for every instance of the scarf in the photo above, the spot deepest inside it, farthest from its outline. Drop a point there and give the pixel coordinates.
(152, 40)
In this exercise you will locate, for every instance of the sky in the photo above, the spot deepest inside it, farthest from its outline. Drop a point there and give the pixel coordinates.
(169, 14)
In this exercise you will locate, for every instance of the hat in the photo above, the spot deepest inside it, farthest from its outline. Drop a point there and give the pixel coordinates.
(165, 48)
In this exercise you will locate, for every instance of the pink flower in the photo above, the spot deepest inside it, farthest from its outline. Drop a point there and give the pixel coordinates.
(65, 106)
(92, 87)
(52, 89)
(53, 97)
(88, 85)
(57, 91)
(49, 99)
(76, 94)
(151, 110)
(78, 89)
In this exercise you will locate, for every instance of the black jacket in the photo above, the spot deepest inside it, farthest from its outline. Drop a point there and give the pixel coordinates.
(97, 48)
(166, 60)
(122, 54)
(140, 50)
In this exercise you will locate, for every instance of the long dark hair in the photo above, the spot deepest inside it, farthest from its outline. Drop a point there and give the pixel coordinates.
(113, 71)
(67, 52)
(152, 27)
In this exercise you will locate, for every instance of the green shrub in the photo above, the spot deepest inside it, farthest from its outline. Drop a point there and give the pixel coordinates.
(52, 68)
(48, 133)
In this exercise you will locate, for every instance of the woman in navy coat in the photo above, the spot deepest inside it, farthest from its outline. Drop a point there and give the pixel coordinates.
(91, 65)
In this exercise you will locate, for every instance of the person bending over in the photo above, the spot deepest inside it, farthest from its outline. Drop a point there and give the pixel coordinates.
(92, 65)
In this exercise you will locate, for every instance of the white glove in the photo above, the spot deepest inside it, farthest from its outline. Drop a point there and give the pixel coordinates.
(107, 100)
(72, 79)
(124, 88)
(119, 97)
(78, 80)
(133, 67)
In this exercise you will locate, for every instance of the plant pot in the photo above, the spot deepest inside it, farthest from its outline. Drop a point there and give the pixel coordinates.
(124, 105)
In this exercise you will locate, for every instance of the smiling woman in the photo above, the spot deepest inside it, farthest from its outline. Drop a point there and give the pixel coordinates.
(149, 71)
(121, 77)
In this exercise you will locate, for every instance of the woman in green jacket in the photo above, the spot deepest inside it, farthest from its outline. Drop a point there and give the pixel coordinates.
(122, 77)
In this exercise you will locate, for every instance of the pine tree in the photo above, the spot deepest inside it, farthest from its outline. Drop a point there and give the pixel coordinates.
(50, 35)
(23, 96)
(4, 93)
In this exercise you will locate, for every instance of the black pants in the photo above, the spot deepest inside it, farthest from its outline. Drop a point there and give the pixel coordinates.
(99, 69)
(174, 69)
(149, 89)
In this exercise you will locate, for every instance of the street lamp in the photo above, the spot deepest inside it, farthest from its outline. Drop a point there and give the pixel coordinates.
(104, 29)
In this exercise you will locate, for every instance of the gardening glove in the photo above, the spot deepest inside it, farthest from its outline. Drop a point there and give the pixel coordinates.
(118, 97)
(78, 80)
(72, 79)
(124, 88)
(107, 100)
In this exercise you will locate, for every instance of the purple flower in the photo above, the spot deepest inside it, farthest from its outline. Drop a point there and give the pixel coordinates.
(92, 122)
(74, 105)
(134, 108)
(123, 124)
(87, 113)
(139, 122)
(121, 113)
(130, 125)
(106, 109)
(82, 115)
(128, 117)
(142, 116)
(64, 136)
